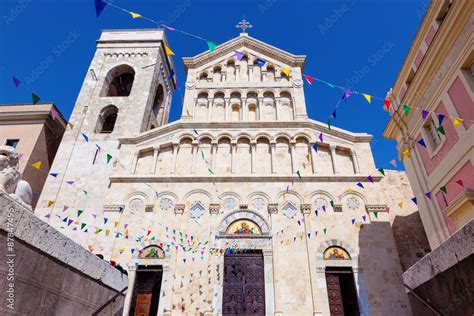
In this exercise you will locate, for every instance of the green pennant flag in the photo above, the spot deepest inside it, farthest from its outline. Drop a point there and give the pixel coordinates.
(108, 158)
(381, 171)
(85, 192)
(443, 189)
(79, 212)
(324, 230)
(202, 154)
(211, 45)
(329, 124)
(83, 225)
(299, 174)
(406, 109)
(440, 129)
(35, 98)
(210, 171)
(332, 203)
(376, 214)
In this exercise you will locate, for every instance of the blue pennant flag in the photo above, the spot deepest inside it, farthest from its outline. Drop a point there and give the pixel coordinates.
(86, 138)
(99, 6)
(171, 74)
(441, 118)
(261, 62)
(315, 146)
(333, 115)
(422, 142)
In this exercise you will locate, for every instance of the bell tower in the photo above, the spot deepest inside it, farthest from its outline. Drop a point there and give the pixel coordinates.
(127, 91)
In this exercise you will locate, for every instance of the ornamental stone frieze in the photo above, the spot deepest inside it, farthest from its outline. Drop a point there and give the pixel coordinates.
(179, 208)
(376, 207)
(214, 208)
(272, 208)
(113, 207)
(305, 208)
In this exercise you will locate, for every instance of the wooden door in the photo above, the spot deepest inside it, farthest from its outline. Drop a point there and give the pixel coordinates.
(244, 285)
(142, 307)
(336, 306)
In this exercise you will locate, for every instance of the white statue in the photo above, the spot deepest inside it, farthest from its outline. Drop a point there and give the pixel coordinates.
(10, 175)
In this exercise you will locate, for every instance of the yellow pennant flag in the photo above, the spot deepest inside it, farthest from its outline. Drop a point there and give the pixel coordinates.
(286, 71)
(367, 97)
(90, 248)
(350, 190)
(50, 203)
(308, 156)
(400, 204)
(116, 223)
(457, 122)
(37, 164)
(135, 15)
(70, 125)
(406, 152)
(168, 51)
(107, 232)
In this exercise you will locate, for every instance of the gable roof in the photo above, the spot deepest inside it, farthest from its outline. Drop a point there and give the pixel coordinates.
(245, 41)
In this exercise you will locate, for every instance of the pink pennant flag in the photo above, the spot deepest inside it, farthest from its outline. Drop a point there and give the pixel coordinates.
(239, 55)
(309, 79)
(393, 162)
(16, 82)
(65, 208)
(54, 113)
(168, 27)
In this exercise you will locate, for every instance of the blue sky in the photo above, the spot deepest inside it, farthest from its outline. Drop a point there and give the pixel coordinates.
(49, 44)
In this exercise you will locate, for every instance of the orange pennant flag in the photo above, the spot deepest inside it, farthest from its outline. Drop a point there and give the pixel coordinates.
(50, 203)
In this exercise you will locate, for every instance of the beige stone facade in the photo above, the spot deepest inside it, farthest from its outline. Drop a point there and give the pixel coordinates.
(243, 137)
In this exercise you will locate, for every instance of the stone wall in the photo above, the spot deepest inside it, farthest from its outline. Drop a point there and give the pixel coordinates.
(43, 272)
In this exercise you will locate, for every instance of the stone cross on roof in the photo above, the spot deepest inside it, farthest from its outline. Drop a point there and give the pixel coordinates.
(244, 25)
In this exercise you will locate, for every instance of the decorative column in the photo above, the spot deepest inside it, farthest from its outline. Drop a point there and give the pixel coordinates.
(355, 162)
(233, 147)
(210, 106)
(333, 158)
(226, 110)
(156, 151)
(272, 153)
(253, 144)
(276, 103)
(260, 108)
(245, 110)
(134, 163)
(313, 158)
(293, 156)
(195, 150)
(175, 154)
(214, 155)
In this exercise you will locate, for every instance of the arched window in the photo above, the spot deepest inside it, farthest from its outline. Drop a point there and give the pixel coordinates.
(107, 119)
(157, 109)
(119, 81)
(230, 70)
(217, 74)
(336, 253)
(203, 77)
(243, 227)
(152, 252)
(270, 73)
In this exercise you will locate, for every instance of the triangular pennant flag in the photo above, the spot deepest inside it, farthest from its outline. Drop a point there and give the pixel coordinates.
(108, 158)
(422, 142)
(36, 165)
(261, 62)
(239, 55)
(460, 183)
(353, 221)
(53, 174)
(70, 125)
(393, 162)
(329, 124)
(168, 27)
(65, 208)
(99, 6)
(333, 115)
(370, 179)
(428, 195)
(332, 203)
(86, 138)
(79, 212)
(85, 192)
(457, 122)
(299, 174)
(440, 130)
(350, 190)
(54, 113)
(135, 15)
(360, 185)
(424, 115)
(316, 212)
(308, 79)
(415, 200)
(16, 82)
(83, 225)
(400, 204)
(70, 182)
(406, 109)
(211, 46)
(69, 222)
(65, 219)
(346, 94)
(321, 137)
(376, 214)
(35, 98)
(381, 171)
(168, 51)
(406, 152)
(364, 217)
(386, 104)
(50, 203)
(367, 97)
(105, 220)
(171, 74)
(286, 71)
(315, 146)
(325, 230)
(441, 118)
(443, 189)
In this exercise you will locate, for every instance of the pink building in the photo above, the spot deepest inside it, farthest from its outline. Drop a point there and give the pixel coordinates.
(432, 115)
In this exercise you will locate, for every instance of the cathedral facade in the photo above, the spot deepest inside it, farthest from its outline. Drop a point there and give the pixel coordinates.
(244, 206)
